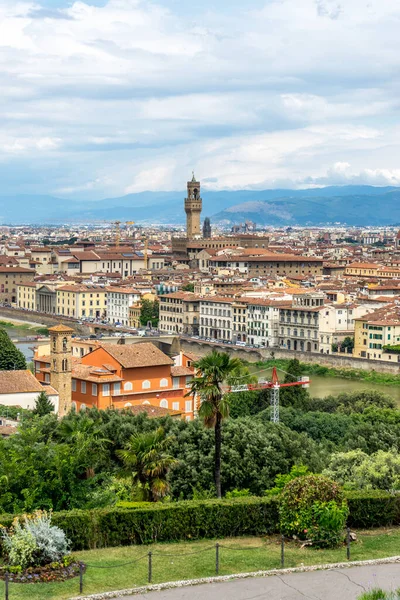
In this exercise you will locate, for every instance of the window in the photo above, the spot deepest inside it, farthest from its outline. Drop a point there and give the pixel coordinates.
(188, 380)
(106, 389)
(83, 387)
(128, 386)
(73, 406)
(117, 388)
(94, 389)
(146, 384)
(83, 407)
(65, 344)
(175, 406)
(164, 403)
(188, 406)
(74, 385)
(164, 382)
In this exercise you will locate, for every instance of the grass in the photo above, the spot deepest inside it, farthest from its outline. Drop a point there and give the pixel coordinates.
(345, 373)
(379, 594)
(25, 327)
(190, 560)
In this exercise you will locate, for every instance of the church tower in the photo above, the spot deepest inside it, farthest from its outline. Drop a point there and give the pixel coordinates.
(61, 365)
(193, 206)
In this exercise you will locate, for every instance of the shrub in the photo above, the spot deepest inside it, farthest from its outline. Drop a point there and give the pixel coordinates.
(374, 508)
(33, 541)
(237, 494)
(313, 507)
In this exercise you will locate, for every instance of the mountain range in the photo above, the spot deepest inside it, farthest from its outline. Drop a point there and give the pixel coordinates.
(351, 205)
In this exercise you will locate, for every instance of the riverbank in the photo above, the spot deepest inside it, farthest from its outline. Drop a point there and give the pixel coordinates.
(18, 326)
(323, 371)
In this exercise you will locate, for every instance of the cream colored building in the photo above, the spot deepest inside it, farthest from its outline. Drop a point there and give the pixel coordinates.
(26, 295)
(81, 301)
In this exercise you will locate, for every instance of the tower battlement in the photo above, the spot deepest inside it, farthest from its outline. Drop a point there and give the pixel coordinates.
(193, 207)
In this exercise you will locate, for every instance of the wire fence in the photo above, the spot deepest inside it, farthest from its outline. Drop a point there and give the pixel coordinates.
(220, 552)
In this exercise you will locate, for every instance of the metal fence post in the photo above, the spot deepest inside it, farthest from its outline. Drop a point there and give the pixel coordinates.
(348, 543)
(282, 552)
(217, 558)
(150, 567)
(81, 578)
(6, 584)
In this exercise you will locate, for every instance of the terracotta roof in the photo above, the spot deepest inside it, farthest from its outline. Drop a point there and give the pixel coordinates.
(93, 374)
(6, 430)
(181, 371)
(143, 354)
(18, 382)
(61, 329)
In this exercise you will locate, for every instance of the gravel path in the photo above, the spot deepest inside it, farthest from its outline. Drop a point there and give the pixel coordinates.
(335, 584)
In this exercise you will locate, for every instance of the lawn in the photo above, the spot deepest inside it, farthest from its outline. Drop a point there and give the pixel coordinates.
(190, 560)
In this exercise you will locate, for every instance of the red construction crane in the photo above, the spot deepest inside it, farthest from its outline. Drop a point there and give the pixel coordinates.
(274, 385)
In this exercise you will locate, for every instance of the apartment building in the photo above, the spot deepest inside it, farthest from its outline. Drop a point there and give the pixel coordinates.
(376, 332)
(26, 295)
(337, 321)
(223, 319)
(10, 277)
(134, 315)
(119, 300)
(262, 322)
(299, 322)
(180, 313)
(81, 301)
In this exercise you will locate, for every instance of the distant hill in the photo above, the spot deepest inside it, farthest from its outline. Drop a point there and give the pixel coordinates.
(354, 205)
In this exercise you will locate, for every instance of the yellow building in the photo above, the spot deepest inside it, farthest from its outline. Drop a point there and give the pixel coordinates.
(362, 270)
(82, 301)
(134, 315)
(376, 333)
(26, 295)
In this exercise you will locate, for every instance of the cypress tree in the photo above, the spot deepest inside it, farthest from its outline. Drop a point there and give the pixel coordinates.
(10, 357)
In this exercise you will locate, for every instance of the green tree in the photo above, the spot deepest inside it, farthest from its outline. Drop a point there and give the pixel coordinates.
(147, 461)
(214, 370)
(356, 470)
(10, 357)
(293, 396)
(188, 287)
(43, 405)
(149, 312)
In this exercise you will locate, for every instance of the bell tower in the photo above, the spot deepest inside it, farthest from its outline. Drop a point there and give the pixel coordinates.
(61, 365)
(193, 206)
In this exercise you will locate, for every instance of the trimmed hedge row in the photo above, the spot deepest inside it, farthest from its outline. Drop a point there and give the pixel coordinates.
(192, 520)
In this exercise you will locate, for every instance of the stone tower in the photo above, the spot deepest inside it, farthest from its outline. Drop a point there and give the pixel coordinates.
(206, 228)
(193, 206)
(61, 365)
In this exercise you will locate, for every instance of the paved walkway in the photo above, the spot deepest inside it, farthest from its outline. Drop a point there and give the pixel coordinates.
(338, 584)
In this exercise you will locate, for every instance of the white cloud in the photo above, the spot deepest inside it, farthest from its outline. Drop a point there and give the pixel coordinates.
(131, 95)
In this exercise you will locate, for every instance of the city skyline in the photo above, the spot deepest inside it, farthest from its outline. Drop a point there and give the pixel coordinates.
(105, 98)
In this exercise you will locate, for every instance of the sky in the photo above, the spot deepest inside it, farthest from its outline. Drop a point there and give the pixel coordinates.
(102, 98)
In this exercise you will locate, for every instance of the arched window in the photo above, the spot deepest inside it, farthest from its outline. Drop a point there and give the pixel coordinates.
(164, 382)
(128, 386)
(54, 343)
(146, 384)
(65, 344)
(146, 402)
(164, 403)
(127, 405)
(73, 406)
(65, 364)
(83, 407)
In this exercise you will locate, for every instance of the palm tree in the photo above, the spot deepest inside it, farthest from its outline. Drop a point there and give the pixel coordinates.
(214, 370)
(146, 459)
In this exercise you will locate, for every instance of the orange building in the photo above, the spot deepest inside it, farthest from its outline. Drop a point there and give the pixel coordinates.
(121, 376)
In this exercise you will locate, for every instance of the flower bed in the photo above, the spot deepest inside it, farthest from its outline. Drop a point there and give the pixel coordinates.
(57, 571)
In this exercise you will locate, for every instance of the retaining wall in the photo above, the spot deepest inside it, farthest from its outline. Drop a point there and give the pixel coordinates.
(329, 360)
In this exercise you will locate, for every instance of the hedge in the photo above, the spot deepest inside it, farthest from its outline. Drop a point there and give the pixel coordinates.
(193, 520)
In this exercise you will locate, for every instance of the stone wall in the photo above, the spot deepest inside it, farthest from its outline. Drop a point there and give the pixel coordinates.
(329, 360)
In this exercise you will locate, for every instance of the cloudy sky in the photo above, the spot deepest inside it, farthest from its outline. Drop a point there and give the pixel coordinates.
(106, 97)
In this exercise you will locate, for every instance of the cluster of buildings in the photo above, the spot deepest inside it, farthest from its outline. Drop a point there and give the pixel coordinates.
(292, 288)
